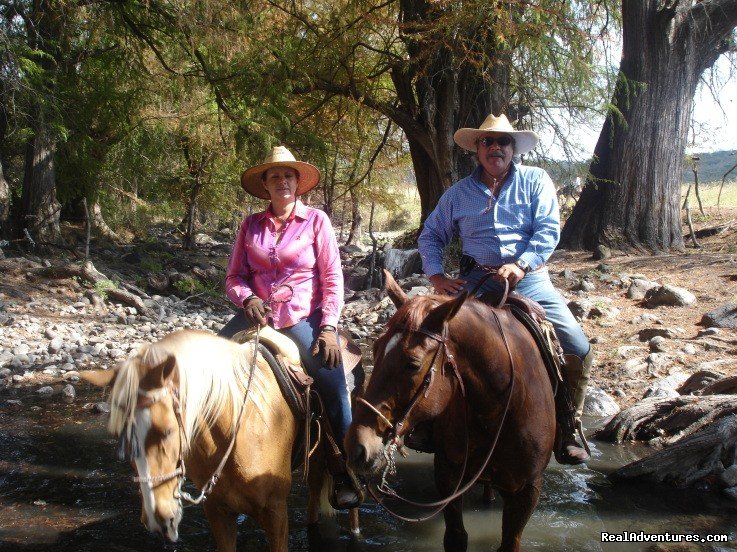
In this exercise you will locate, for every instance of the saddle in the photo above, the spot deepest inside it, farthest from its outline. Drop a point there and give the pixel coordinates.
(282, 356)
(532, 317)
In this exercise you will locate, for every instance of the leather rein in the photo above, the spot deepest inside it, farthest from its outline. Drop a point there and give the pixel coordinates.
(442, 357)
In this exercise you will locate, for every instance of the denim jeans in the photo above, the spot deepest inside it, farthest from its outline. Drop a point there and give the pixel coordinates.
(330, 383)
(538, 287)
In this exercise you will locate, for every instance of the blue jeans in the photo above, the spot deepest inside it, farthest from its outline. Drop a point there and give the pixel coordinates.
(538, 287)
(330, 383)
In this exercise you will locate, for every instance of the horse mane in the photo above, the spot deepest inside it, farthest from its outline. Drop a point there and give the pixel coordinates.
(411, 314)
(213, 374)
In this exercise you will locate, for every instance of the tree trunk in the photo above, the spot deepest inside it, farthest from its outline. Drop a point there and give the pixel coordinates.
(40, 208)
(632, 197)
(4, 205)
(439, 94)
(356, 219)
(98, 223)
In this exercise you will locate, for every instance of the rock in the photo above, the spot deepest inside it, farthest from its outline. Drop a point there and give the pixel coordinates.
(729, 476)
(21, 349)
(626, 351)
(101, 408)
(45, 390)
(599, 403)
(666, 387)
(722, 317)
(68, 394)
(669, 296)
(402, 262)
(689, 349)
(568, 274)
(638, 288)
(580, 308)
(648, 333)
(634, 367)
(585, 285)
(658, 344)
(645, 318)
(55, 345)
(731, 492)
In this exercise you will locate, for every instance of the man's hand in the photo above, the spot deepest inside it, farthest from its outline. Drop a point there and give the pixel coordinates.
(327, 344)
(510, 272)
(255, 311)
(446, 286)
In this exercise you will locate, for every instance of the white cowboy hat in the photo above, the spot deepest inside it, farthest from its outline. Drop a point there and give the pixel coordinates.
(524, 140)
(309, 175)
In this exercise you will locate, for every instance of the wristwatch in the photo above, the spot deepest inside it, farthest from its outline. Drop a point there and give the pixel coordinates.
(521, 263)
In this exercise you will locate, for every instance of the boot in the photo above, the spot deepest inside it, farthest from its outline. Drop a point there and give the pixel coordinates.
(569, 407)
(347, 492)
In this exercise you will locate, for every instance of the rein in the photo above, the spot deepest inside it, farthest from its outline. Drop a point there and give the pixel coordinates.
(395, 429)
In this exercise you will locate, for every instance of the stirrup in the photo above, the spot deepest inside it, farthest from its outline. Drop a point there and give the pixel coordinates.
(346, 482)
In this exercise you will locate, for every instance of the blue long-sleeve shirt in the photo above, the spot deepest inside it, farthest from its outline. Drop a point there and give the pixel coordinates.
(523, 222)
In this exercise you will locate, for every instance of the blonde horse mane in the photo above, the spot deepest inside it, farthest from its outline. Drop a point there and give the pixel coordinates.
(213, 375)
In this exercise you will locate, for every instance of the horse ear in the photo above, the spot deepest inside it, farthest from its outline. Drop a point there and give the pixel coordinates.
(100, 378)
(167, 368)
(441, 314)
(395, 293)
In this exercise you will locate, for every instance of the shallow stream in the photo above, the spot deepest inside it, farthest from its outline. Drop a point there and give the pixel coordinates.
(62, 490)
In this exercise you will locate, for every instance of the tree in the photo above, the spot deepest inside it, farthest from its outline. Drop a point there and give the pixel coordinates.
(433, 67)
(632, 196)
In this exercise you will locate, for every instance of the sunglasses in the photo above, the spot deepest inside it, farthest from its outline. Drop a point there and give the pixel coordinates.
(487, 141)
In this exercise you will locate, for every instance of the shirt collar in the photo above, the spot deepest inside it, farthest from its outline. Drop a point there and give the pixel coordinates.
(300, 211)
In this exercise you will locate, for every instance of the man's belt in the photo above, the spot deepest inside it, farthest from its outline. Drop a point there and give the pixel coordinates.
(468, 263)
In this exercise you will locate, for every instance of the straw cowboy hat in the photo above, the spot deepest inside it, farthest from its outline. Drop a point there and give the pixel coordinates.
(524, 140)
(309, 175)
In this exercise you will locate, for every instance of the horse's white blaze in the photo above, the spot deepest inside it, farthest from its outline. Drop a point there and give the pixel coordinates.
(393, 342)
(142, 426)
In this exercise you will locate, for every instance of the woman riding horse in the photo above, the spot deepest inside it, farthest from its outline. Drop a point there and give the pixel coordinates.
(285, 271)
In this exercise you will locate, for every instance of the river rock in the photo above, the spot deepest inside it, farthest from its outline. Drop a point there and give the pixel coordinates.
(402, 262)
(598, 403)
(669, 296)
(638, 288)
(722, 317)
(666, 387)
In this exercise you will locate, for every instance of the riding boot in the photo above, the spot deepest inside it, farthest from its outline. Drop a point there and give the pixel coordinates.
(347, 491)
(569, 406)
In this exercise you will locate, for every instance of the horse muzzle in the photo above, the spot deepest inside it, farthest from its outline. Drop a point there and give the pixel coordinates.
(364, 449)
(164, 524)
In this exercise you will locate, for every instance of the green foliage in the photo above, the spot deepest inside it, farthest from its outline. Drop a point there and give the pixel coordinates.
(103, 287)
(193, 286)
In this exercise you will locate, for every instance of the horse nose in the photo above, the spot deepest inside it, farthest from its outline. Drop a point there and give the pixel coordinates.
(359, 455)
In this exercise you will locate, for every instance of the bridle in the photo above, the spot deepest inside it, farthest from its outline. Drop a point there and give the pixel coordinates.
(393, 439)
(148, 398)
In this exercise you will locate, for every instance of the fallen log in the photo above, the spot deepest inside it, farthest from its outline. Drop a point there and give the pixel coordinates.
(88, 273)
(702, 455)
(668, 419)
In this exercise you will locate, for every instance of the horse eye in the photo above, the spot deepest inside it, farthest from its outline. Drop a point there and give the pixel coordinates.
(168, 432)
(414, 364)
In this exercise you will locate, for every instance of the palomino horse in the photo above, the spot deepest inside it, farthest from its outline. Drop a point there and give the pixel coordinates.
(475, 374)
(176, 405)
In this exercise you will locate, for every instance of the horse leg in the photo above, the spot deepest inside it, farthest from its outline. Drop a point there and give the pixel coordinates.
(518, 508)
(223, 526)
(455, 538)
(354, 522)
(274, 521)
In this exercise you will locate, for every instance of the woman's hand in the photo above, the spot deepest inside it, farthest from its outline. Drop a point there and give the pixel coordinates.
(255, 311)
(327, 344)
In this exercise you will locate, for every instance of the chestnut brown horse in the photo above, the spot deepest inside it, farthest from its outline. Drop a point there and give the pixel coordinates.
(474, 373)
(176, 406)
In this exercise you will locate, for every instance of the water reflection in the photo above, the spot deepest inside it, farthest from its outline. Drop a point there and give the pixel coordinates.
(62, 490)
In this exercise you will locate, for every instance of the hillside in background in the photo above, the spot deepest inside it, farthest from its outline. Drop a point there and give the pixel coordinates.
(712, 166)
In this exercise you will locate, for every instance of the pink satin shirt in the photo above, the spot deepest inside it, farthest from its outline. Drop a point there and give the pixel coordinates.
(305, 265)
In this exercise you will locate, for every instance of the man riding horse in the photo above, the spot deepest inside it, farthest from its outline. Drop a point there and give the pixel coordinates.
(508, 220)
